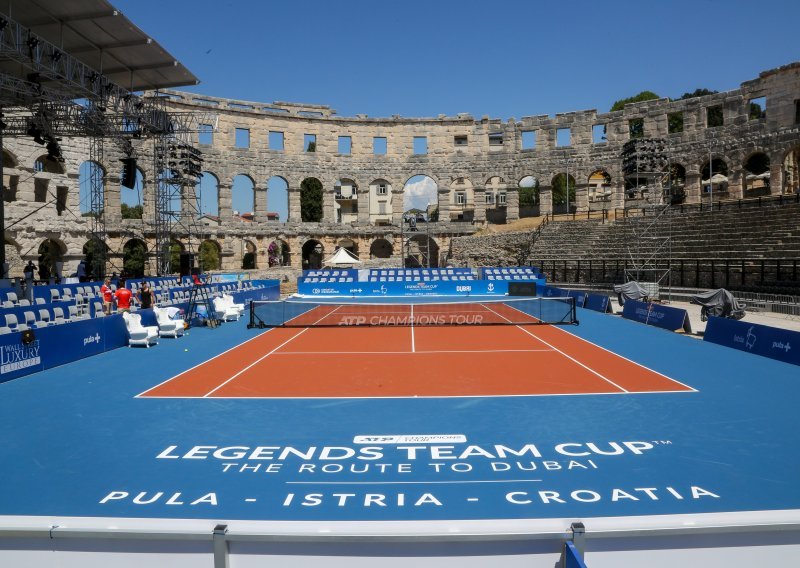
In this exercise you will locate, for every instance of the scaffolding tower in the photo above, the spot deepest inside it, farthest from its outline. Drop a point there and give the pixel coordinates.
(648, 237)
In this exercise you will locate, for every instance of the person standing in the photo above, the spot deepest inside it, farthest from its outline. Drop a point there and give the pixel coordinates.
(123, 297)
(145, 296)
(105, 290)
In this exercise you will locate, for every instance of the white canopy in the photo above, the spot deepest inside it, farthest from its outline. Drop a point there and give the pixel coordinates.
(342, 257)
(716, 178)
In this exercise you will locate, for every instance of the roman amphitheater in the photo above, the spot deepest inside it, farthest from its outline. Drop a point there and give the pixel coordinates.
(273, 151)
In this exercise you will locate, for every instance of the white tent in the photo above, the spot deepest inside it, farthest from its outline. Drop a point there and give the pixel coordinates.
(342, 257)
(716, 179)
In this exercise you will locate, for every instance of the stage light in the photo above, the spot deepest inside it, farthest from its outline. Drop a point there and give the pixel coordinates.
(56, 56)
(3, 24)
(36, 133)
(128, 177)
(33, 42)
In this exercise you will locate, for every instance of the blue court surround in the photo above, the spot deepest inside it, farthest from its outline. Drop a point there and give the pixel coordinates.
(75, 435)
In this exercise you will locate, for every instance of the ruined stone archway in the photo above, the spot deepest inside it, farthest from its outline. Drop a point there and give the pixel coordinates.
(380, 248)
(313, 252)
(421, 251)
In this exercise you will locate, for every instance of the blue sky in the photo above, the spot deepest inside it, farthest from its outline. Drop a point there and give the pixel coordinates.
(502, 59)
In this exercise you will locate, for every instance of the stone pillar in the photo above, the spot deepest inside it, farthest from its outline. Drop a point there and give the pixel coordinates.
(294, 205)
(260, 206)
(545, 200)
(328, 206)
(73, 194)
(225, 207)
(363, 206)
(112, 206)
(397, 206)
(776, 177)
(512, 204)
(444, 204)
(693, 188)
(189, 205)
(618, 194)
(736, 183)
(480, 204)
(581, 198)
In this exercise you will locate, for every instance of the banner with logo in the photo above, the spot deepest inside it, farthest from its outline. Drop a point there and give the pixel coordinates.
(772, 342)
(658, 315)
(59, 344)
(430, 288)
(598, 303)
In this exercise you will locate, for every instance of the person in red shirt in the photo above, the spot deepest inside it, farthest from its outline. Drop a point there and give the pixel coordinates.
(123, 298)
(105, 290)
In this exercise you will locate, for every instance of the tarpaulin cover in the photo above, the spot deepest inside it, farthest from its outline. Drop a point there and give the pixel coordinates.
(719, 303)
(629, 291)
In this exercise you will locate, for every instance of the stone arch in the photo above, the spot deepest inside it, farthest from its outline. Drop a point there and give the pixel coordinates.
(9, 159)
(348, 244)
(529, 198)
(249, 255)
(495, 199)
(134, 258)
(462, 200)
(421, 251)
(45, 164)
(132, 199)
(599, 182)
(277, 199)
(791, 171)
(345, 200)
(312, 252)
(756, 174)
(209, 255)
(718, 170)
(311, 209)
(176, 247)
(381, 200)
(90, 173)
(95, 254)
(51, 258)
(674, 182)
(208, 195)
(278, 253)
(563, 193)
(380, 248)
(421, 195)
(243, 195)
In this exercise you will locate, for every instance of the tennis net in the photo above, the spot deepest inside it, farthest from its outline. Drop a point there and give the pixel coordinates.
(517, 311)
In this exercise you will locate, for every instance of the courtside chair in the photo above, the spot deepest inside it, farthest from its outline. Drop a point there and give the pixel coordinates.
(67, 295)
(168, 327)
(39, 301)
(44, 319)
(13, 324)
(54, 295)
(58, 316)
(12, 297)
(24, 302)
(137, 333)
(4, 330)
(30, 320)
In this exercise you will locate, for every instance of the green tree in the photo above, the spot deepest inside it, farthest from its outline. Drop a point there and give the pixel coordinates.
(128, 212)
(697, 93)
(643, 96)
(311, 200)
(175, 256)
(559, 191)
(134, 256)
(312, 147)
(209, 256)
(95, 252)
(529, 196)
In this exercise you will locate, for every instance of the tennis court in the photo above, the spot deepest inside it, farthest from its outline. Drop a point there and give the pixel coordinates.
(390, 350)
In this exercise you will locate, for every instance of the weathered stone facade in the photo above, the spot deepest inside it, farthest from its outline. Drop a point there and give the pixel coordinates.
(464, 156)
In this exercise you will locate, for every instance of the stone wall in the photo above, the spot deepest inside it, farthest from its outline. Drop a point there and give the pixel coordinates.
(465, 155)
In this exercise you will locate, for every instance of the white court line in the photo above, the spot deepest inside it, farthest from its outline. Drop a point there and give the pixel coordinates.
(609, 381)
(257, 361)
(413, 343)
(562, 330)
(417, 351)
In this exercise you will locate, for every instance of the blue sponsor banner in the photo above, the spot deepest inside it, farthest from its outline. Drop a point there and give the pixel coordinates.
(430, 288)
(657, 315)
(59, 344)
(580, 297)
(772, 342)
(598, 303)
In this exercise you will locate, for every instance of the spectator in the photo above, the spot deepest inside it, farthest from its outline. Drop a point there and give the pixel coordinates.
(196, 279)
(145, 296)
(81, 273)
(44, 272)
(123, 297)
(105, 290)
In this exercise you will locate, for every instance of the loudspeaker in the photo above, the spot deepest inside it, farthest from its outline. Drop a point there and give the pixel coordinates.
(187, 263)
(522, 288)
(28, 337)
(128, 178)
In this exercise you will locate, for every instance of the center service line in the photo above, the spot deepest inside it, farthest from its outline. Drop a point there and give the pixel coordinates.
(409, 482)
